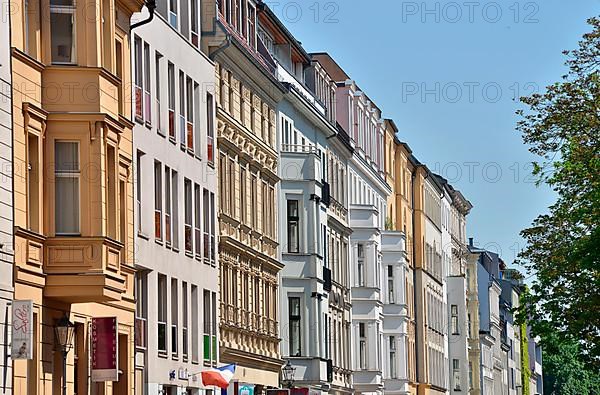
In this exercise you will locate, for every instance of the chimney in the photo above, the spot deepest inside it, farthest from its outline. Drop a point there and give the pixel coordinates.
(470, 242)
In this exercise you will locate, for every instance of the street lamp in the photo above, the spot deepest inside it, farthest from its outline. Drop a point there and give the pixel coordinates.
(288, 374)
(64, 330)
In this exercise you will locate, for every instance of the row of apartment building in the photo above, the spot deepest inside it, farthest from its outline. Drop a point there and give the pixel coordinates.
(186, 169)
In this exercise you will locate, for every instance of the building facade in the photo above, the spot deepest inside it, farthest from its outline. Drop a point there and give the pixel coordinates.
(247, 94)
(455, 208)
(6, 197)
(430, 297)
(473, 318)
(73, 187)
(536, 379)
(176, 190)
(511, 284)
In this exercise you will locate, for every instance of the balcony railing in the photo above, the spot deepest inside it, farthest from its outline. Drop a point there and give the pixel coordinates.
(300, 148)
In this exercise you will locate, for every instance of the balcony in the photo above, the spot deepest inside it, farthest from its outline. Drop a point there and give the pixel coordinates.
(393, 242)
(311, 370)
(364, 216)
(85, 269)
(300, 162)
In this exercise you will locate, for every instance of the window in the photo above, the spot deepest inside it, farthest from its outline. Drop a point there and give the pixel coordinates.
(175, 208)
(189, 89)
(362, 346)
(162, 314)
(31, 15)
(207, 326)
(137, 48)
(138, 196)
(195, 307)
(456, 374)
(157, 200)
(210, 128)
(251, 25)
(470, 375)
(147, 88)
(187, 196)
(194, 20)
(390, 273)
(66, 173)
(62, 31)
(243, 197)
(206, 206)
(158, 70)
(141, 308)
(454, 319)
(213, 244)
(361, 264)
(293, 226)
(295, 340)
(171, 88)
(33, 182)
(253, 201)
(197, 221)
(174, 318)
(393, 374)
(173, 13)
(168, 205)
(182, 108)
(184, 329)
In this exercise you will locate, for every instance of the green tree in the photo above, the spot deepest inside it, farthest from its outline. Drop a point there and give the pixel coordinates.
(562, 127)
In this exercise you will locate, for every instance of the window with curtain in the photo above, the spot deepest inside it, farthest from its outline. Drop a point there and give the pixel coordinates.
(67, 174)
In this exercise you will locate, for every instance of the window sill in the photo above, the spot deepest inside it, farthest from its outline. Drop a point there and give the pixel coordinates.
(143, 235)
(175, 249)
(189, 254)
(159, 241)
(139, 120)
(172, 140)
(162, 354)
(211, 164)
(149, 124)
(160, 132)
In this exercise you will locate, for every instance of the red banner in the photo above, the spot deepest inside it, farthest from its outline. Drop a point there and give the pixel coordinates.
(105, 349)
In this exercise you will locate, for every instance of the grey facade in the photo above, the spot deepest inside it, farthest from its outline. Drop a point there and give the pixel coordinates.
(6, 199)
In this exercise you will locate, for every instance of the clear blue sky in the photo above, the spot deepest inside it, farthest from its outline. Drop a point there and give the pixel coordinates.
(476, 57)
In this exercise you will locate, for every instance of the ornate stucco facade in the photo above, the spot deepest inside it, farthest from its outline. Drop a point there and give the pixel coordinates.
(73, 186)
(247, 94)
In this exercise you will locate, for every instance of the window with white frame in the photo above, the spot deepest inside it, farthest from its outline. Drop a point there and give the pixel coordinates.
(62, 31)
(162, 314)
(390, 284)
(456, 374)
(454, 319)
(362, 346)
(171, 99)
(393, 373)
(210, 128)
(194, 22)
(138, 78)
(187, 197)
(67, 174)
(360, 253)
(168, 205)
(158, 69)
(147, 88)
(295, 320)
(157, 200)
(173, 19)
(293, 226)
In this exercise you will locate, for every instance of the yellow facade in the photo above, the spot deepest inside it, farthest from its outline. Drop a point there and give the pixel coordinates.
(74, 212)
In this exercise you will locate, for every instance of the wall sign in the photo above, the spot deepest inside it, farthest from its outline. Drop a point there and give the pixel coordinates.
(105, 349)
(22, 329)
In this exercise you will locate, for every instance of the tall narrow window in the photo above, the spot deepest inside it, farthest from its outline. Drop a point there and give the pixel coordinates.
(207, 326)
(456, 374)
(243, 197)
(194, 20)
(213, 326)
(362, 346)
(66, 173)
(393, 374)
(173, 13)
(213, 237)
(206, 206)
(119, 74)
(295, 322)
(197, 221)
(182, 122)
(168, 205)
(33, 182)
(174, 317)
(253, 201)
(111, 191)
(210, 128)
(195, 317)
(454, 319)
(251, 25)
(162, 314)
(62, 31)
(138, 78)
(184, 326)
(138, 189)
(175, 209)
(361, 264)
(157, 200)
(147, 87)
(123, 212)
(171, 88)
(189, 90)
(293, 225)
(187, 226)
(157, 77)
(390, 273)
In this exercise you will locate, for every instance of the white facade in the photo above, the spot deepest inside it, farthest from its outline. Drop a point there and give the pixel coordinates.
(6, 197)
(176, 246)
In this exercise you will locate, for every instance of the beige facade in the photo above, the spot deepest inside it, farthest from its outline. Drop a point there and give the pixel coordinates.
(73, 186)
(246, 94)
(400, 166)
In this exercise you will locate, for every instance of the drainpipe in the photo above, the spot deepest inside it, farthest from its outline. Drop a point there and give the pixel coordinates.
(221, 48)
(413, 176)
(151, 6)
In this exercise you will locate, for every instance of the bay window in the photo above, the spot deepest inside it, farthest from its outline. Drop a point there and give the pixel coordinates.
(67, 174)
(295, 342)
(293, 226)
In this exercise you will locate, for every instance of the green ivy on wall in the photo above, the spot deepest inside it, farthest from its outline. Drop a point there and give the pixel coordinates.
(525, 371)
